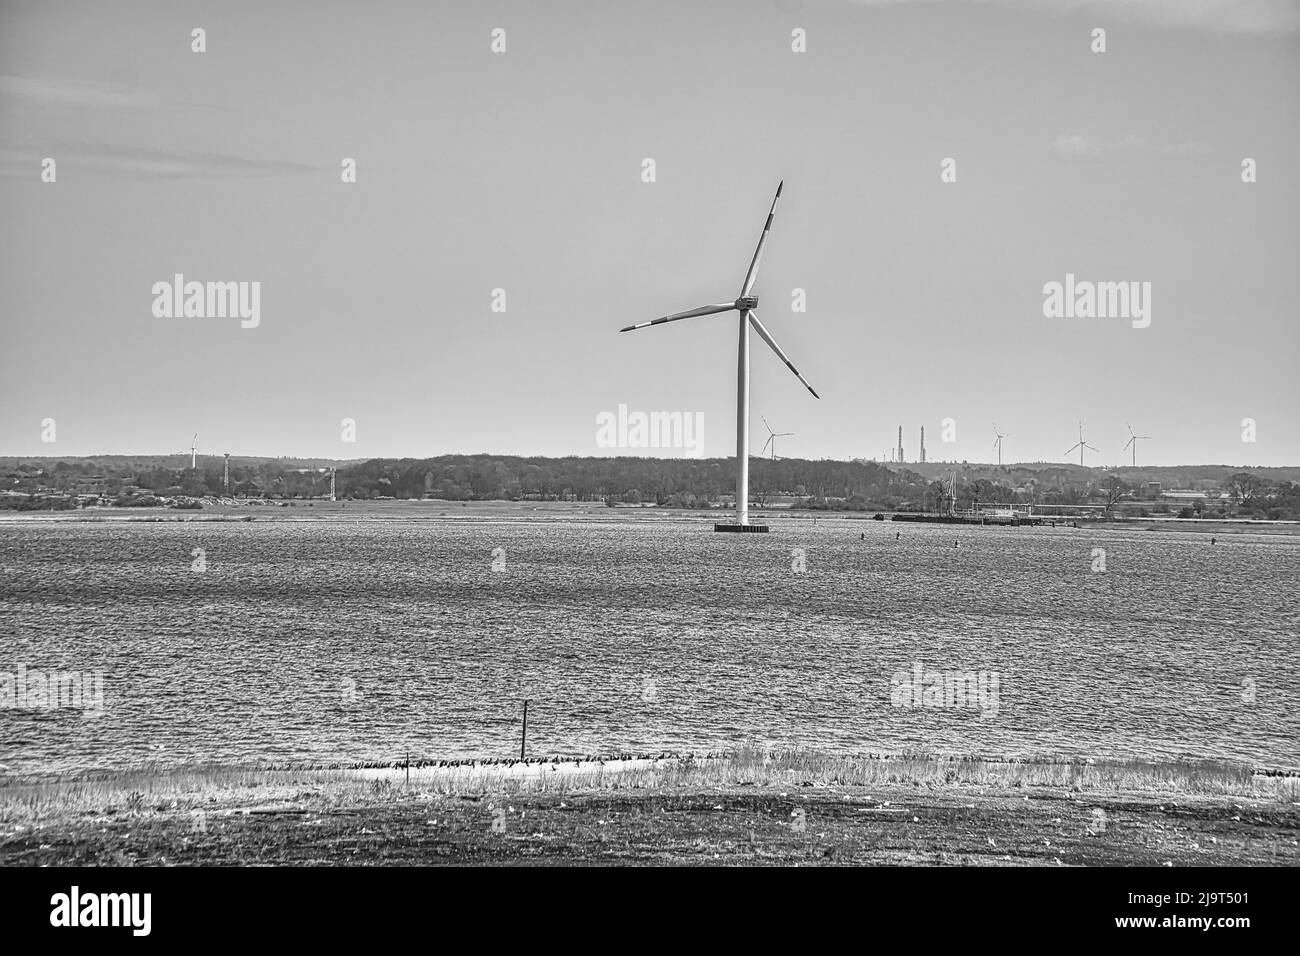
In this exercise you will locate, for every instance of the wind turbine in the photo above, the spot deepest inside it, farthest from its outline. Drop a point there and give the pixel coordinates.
(1081, 445)
(772, 437)
(997, 442)
(193, 444)
(1133, 440)
(745, 305)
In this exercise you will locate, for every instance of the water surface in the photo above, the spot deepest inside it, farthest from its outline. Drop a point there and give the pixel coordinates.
(334, 641)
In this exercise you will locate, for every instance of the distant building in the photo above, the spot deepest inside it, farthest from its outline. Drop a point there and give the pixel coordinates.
(1186, 494)
(1151, 489)
(91, 485)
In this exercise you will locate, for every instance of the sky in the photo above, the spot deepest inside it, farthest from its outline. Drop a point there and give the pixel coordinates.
(523, 171)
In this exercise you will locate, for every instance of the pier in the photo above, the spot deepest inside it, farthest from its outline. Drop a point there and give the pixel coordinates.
(1012, 519)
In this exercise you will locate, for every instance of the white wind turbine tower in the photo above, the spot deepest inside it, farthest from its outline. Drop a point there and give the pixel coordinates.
(1133, 440)
(997, 442)
(1081, 445)
(193, 455)
(772, 437)
(745, 305)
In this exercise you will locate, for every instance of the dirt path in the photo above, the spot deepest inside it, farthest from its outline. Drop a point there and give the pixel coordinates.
(738, 825)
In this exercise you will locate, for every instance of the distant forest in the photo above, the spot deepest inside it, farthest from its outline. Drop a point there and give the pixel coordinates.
(665, 482)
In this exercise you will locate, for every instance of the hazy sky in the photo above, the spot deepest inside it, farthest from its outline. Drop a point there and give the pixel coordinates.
(523, 171)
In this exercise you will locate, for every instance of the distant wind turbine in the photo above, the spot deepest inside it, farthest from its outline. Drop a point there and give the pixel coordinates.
(745, 305)
(1133, 440)
(997, 442)
(1081, 445)
(193, 455)
(772, 437)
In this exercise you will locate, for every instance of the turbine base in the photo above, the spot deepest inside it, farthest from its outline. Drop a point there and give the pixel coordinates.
(742, 528)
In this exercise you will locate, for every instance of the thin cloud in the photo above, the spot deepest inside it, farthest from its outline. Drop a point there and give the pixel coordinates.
(133, 161)
(1276, 17)
(1211, 16)
(87, 94)
(1076, 145)
(1083, 146)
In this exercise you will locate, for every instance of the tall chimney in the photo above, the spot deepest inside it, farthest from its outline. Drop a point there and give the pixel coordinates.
(922, 458)
(225, 476)
(900, 443)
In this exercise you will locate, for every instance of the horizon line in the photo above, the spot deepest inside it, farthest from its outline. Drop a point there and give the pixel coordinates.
(685, 458)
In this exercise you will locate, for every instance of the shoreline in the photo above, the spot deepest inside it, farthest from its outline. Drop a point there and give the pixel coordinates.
(747, 807)
(991, 764)
(305, 512)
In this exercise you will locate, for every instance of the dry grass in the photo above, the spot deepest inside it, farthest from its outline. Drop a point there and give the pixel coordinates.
(750, 766)
(219, 789)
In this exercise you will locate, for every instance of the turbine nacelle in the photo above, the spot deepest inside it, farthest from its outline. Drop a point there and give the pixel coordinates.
(746, 302)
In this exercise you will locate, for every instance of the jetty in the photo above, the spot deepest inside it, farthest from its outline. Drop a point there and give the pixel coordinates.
(1006, 516)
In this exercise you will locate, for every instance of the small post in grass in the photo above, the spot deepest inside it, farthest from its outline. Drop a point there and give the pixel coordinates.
(523, 738)
(408, 768)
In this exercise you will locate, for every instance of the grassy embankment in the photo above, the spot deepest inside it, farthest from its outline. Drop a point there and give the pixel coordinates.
(747, 807)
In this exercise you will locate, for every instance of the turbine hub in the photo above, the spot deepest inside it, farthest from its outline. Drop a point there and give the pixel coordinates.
(747, 302)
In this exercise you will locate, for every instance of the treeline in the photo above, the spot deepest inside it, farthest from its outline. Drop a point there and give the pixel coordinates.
(1210, 478)
(687, 482)
(1256, 497)
(855, 485)
(127, 479)
(668, 482)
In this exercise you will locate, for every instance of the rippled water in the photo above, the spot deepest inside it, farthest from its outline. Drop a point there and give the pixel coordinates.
(326, 641)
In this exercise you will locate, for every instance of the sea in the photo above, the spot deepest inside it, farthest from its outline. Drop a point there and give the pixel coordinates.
(302, 643)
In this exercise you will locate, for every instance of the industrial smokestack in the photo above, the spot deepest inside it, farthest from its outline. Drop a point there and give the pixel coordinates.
(225, 476)
(922, 458)
(900, 443)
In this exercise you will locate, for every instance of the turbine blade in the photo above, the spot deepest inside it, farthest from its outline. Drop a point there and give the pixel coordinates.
(752, 275)
(702, 310)
(766, 443)
(758, 327)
